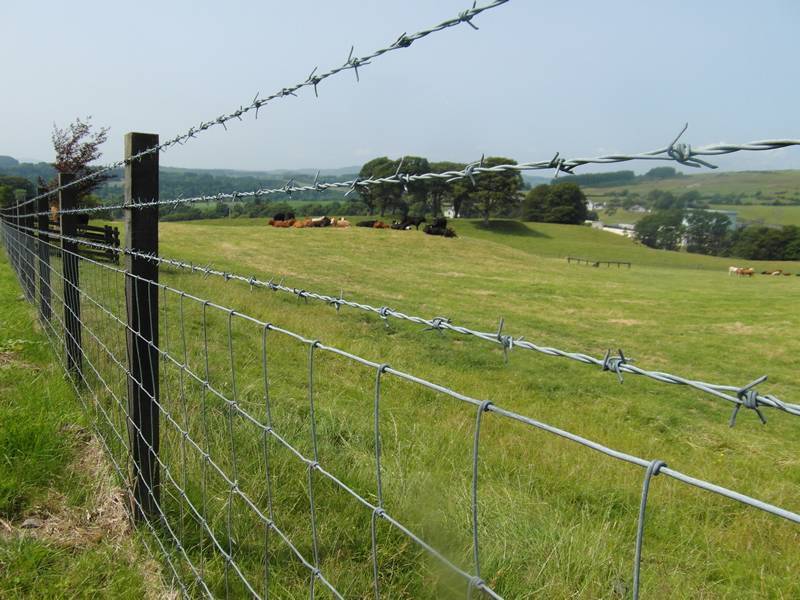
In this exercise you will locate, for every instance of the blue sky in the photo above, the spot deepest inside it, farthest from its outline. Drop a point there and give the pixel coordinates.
(576, 77)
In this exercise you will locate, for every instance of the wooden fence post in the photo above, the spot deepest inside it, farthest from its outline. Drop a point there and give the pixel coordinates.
(30, 250)
(141, 299)
(43, 225)
(19, 198)
(67, 199)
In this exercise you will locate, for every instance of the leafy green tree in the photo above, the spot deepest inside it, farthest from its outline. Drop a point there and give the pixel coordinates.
(707, 232)
(382, 196)
(9, 184)
(661, 229)
(440, 191)
(496, 193)
(562, 202)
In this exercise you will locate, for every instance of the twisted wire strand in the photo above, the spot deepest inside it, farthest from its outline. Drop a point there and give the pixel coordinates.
(21, 250)
(680, 153)
(313, 80)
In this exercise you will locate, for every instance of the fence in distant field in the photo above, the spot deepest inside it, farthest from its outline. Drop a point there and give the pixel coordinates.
(597, 263)
(184, 392)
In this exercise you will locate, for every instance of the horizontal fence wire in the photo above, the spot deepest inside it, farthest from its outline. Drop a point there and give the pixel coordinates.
(746, 396)
(677, 152)
(313, 80)
(218, 523)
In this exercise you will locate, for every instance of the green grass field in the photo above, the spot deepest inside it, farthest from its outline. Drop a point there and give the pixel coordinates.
(751, 214)
(783, 185)
(768, 215)
(51, 470)
(557, 520)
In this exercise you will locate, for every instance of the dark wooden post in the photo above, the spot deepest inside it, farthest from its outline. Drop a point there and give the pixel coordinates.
(141, 299)
(68, 199)
(30, 252)
(19, 198)
(43, 225)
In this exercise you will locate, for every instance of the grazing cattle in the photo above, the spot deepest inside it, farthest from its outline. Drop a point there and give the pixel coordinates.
(776, 273)
(786, 274)
(288, 216)
(380, 225)
(368, 223)
(734, 271)
(748, 272)
(278, 223)
(301, 223)
(341, 223)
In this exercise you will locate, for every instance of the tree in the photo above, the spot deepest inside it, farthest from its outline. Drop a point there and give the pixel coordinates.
(496, 193)
(381, 196)
(77, 146)
(562, 202)
(9, 184)
(439, 190)
(662, 173)
(707, 232)
(661, 229)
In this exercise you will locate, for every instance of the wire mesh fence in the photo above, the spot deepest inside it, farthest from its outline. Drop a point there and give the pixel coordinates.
(263, 462)
(267, 470)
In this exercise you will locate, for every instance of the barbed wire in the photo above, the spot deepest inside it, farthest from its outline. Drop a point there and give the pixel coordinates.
(746, 396)
(313, 80)
(16, 242)
(680, 153)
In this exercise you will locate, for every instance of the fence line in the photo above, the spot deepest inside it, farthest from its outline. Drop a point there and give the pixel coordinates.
(19, 243)
(313, 80)
(740, 396)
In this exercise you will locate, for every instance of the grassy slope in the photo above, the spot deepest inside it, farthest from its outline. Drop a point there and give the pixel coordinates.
(769, 215)
(544, 503)
(38, 445)
(772, 184)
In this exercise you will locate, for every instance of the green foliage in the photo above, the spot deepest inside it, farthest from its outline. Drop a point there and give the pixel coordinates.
(662, 173)
(767, 243)
(9, 184)
(707, 232)
(496, 194)
(562, 202)
(661, 229)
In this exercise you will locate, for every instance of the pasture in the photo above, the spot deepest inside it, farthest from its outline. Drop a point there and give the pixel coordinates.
(557, 520)
(757, 186)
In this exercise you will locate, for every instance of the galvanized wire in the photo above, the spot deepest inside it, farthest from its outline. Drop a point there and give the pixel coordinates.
(313, 80)
(18, 247)
(677, 152)
(746, 396)
(17, 242)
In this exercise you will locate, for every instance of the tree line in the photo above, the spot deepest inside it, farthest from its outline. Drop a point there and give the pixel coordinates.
(708, 232)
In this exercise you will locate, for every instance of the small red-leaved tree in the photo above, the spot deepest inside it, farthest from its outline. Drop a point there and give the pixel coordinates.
(76, 146)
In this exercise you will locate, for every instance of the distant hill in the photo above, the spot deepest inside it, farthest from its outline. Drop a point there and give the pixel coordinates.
(733, 187)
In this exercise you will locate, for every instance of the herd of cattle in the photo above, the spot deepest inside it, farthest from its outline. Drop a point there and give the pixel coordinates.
(748, 272)
(438, 227)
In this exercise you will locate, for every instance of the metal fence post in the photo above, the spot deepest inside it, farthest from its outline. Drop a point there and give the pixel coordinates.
(68, 199)
(43, 225)
(141, 299)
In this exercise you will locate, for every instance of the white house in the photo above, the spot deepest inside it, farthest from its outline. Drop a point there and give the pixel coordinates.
(623, 229)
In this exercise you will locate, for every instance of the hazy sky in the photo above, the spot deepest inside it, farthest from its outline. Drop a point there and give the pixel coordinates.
(580, 77)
